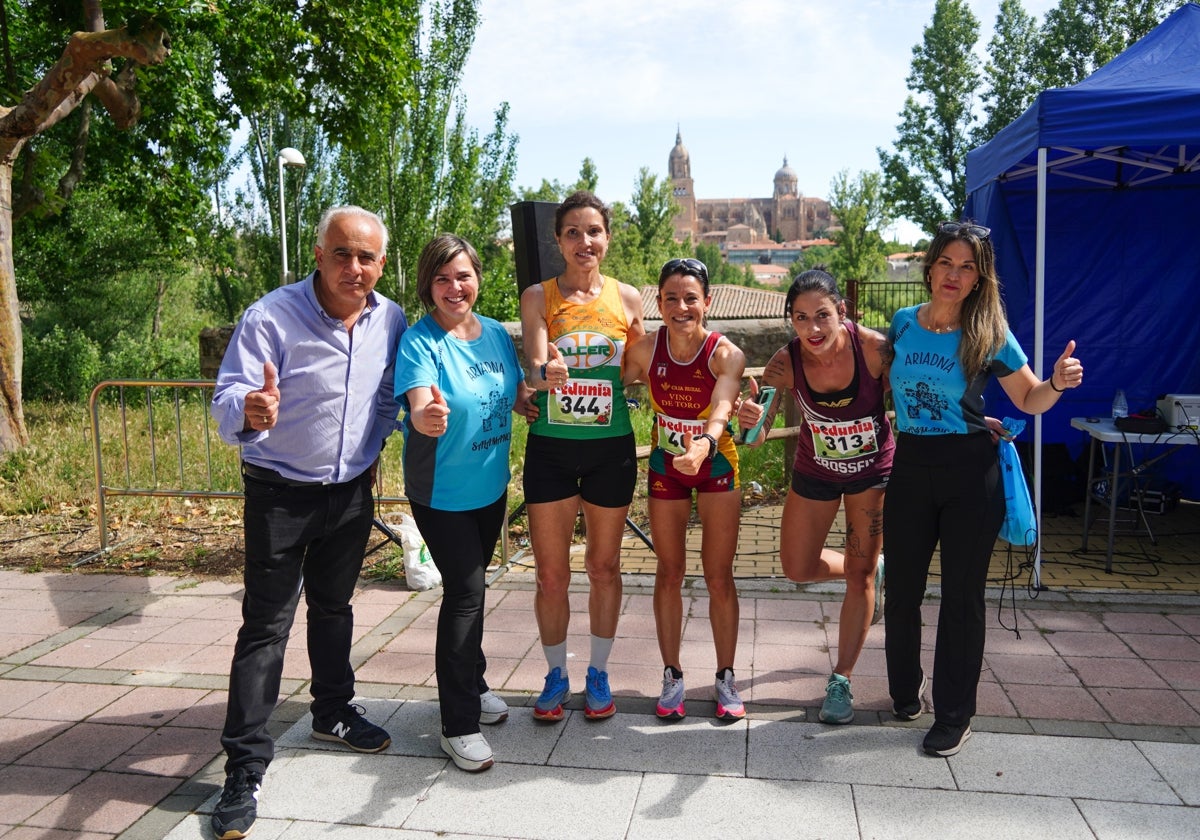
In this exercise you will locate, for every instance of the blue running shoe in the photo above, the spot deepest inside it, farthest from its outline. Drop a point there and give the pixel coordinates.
(549, 705)
(598, 701)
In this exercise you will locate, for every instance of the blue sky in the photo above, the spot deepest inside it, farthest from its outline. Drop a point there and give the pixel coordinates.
(820, 81)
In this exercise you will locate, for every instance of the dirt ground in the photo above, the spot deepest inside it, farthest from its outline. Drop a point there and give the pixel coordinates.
(198, 539)
(187, 540)
(201, 538)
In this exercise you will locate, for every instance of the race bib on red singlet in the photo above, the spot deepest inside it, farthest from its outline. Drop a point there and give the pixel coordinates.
(671, 431)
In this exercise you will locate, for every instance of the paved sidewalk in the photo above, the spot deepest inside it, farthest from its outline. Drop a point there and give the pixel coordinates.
(112, 693)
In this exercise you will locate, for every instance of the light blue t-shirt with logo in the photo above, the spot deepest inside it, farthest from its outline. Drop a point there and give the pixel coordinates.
(931, 394)
(467, 467)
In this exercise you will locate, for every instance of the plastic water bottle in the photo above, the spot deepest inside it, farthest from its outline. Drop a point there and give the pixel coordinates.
(1120, 406)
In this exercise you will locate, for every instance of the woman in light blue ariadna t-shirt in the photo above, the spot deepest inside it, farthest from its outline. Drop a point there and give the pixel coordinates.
(459, 380)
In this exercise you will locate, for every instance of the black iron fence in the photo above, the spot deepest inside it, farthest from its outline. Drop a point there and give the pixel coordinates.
(872, 304)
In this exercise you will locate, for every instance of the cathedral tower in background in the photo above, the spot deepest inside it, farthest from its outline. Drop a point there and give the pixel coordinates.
(787, 216)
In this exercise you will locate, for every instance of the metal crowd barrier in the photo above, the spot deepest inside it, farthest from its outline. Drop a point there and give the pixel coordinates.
(176, 464)
(179, 466)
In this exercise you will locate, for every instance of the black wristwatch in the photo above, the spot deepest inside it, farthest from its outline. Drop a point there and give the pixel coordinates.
(712, 445)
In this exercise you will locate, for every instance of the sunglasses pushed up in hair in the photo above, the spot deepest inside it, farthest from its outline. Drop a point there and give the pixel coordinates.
(975, 230)
(684, 265)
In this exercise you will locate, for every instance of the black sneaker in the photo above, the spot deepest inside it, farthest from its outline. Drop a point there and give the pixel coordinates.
(946, 739)
(349, 727)
(913, 708)
(238, 806)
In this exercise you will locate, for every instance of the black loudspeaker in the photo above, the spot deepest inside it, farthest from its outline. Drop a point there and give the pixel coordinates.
(534, 246)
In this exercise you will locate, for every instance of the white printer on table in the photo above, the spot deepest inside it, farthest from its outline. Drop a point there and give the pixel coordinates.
(1180, 411)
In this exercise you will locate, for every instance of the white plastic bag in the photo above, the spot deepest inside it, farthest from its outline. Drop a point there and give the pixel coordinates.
(419, 571)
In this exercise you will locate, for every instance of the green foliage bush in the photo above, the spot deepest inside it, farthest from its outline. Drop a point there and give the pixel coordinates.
(62, 365)
(144, 358)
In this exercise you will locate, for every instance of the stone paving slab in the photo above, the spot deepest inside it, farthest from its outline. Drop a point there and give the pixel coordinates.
(860, 754)
(1088, 768)
(906, 814)
(797, 780)
(644, 743)
(1091, 717)
(1121, 821)
(720, 808)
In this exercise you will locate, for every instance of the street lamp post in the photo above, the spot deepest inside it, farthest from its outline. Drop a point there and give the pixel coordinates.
(292, 158)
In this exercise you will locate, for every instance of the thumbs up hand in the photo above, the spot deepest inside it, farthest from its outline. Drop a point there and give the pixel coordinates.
(1067, 371)
(261, 407)
(749, 411)
(435, 415)
(554, 372)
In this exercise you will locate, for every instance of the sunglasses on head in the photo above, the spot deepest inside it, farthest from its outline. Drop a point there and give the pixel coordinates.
(684, 265)
(975, 230)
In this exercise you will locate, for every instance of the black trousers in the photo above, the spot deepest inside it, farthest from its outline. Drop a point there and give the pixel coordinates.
(461, 543)
(947, 489)
(311, 537)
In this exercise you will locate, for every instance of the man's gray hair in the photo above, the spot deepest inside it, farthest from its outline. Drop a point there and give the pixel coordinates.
(349, 210)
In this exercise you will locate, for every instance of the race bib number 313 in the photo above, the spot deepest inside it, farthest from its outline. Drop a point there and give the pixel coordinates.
(842, 440)
(581, 402)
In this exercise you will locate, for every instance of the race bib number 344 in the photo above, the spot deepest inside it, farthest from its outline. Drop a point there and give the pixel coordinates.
(581, 402)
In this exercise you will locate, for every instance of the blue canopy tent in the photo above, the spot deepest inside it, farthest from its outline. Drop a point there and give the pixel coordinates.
(1093, 197)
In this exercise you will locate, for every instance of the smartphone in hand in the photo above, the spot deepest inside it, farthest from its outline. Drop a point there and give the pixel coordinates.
(765, 398)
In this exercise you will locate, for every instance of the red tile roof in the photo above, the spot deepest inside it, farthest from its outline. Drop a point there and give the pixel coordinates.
(729, 302)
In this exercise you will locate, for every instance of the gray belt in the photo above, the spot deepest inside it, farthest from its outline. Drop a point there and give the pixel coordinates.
(272, 477)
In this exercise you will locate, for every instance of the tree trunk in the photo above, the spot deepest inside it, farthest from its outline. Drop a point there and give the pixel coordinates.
(82, 69)
(13, 434)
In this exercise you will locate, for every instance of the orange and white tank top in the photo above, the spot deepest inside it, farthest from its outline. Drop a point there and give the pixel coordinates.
(591, 337)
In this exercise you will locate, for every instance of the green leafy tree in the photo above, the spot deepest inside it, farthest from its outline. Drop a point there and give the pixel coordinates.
(59, 85)
(643, 236)
(420, 163)
(814, 256)
(925, 174)
(588, 177)
(1079, 36)
(720, 272)
(1011, 72)
(860, 206)
(556, 191)
(925, 178)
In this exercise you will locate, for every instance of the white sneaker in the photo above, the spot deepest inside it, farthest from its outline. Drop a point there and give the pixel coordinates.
(492, 708)
(469, 752)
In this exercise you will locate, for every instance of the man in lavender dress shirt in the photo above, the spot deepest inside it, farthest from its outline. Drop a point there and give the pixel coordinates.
(305, 389)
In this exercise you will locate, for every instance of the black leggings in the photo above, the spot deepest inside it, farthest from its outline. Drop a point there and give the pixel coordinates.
(947, 489)
(461, 543)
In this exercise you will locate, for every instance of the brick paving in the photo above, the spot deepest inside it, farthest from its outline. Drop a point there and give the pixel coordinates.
(1171, 565)
(112, 689)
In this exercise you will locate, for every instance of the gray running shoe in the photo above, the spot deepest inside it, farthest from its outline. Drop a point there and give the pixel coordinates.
(670, 702)
(729, 704)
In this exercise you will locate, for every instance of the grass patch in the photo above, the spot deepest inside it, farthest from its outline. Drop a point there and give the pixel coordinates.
(157, 445)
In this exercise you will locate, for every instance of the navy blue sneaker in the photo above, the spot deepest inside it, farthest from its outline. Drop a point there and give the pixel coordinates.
(238, 806)
(946, 739)
(348, 726)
